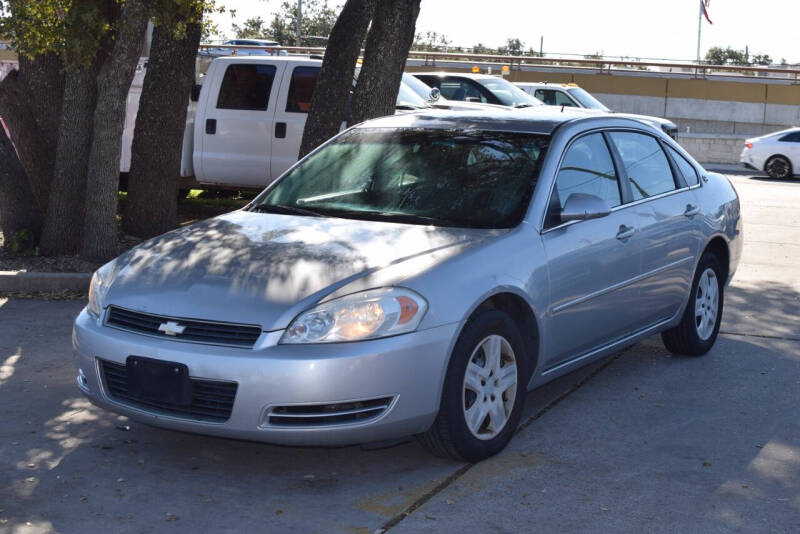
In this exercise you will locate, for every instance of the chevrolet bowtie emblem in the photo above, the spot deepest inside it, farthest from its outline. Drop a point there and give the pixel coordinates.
(171, 328)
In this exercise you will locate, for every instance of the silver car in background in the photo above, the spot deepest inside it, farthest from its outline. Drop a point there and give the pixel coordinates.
(416, 275)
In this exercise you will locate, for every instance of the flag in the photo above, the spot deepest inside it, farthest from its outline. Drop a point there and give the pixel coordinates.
(703, 5)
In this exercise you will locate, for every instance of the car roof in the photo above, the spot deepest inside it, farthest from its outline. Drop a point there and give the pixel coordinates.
(470, 75)
(540, 120)
(562, 85)
(270, 59)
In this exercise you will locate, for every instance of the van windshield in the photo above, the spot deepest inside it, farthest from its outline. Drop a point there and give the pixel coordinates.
(418, 176)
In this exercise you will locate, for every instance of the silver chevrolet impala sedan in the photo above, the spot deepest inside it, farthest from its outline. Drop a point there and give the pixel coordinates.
(415, 275)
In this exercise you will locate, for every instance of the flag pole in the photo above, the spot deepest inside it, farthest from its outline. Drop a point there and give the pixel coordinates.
(699, 28)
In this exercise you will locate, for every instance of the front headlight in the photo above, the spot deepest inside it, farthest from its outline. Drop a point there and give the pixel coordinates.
(101, 281)
(366, 315)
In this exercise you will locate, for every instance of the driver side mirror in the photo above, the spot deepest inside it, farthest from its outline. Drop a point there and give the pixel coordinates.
(582, 207)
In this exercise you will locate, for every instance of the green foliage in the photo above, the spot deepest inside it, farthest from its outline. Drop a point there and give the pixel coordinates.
(431, 42)
(253, 28)
(316, 25)
(22, 242)
(717, 55)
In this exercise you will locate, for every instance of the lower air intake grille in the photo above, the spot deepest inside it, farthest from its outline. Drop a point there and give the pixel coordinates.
(212, 400)
(328, 414)
(237, 335)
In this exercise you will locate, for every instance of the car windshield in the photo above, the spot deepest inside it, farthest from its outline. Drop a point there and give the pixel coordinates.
(407, 98)
(422, 89)
(587, 100)
(434, 177)
(508, 93)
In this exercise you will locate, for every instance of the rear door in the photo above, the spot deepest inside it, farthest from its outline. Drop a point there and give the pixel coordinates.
(237, 132)
(667, 209)
(291, 112)
(790, 147)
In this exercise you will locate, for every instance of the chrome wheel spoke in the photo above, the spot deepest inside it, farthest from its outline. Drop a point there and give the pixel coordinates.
(506, 379)
(492, 348)
(474, 378)
(497, 415)
(476, 415)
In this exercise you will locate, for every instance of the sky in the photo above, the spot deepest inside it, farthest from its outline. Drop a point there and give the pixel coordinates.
(634, 28)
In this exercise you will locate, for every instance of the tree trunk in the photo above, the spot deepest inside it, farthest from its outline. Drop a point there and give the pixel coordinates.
(151, 208)
(64, 219)
(27, 98)
(329, 101)
(102, 181)
(388, 43)
(19, 219)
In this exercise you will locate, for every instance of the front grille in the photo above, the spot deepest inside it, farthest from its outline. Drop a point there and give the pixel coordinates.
(236, 335)
(328, 414)
(212, 400)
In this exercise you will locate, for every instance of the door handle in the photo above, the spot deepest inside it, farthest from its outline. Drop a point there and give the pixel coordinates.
(691, 210)
(211, 126)
(625, 232)
(280, 130)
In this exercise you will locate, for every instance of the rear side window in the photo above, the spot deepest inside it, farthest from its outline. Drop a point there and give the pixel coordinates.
(793, 137)
(645, 163)
(554, 98)
(246, 86)
(687, 169)
(588, 168)
(304, 79)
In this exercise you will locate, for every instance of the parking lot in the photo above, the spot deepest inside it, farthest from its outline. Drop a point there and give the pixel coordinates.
(641, 441)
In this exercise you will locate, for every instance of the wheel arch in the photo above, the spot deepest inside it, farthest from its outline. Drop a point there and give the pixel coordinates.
(773, 156)
(719, 246)
(516, 304)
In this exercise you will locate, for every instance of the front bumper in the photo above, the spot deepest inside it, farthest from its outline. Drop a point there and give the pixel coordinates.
(409, 368)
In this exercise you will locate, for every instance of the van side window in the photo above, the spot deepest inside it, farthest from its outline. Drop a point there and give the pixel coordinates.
(588, 168)
(304, 79)
(646, 164)
(687, 169)
(246, 86)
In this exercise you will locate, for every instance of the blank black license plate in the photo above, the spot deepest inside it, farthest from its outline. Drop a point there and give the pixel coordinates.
(158, 381)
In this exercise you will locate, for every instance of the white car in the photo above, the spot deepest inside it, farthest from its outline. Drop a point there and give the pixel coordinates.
(777, 154)
(573, 96)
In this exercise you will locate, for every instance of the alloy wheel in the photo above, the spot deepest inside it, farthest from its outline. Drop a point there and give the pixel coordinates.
(706, 304)
(489, 387)
(778, 168)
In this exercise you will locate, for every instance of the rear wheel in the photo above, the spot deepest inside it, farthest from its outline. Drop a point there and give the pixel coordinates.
(778, 167)
(698, 329)
(483, 392)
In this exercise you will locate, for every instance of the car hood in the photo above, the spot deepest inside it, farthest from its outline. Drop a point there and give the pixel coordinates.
(257, 268)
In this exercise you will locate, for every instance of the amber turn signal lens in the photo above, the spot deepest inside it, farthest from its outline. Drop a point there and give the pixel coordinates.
(408, 309)
(748, 145)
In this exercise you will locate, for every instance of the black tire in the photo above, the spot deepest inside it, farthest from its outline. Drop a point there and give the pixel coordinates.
(449, 436)
(685, 339)
(778, 167)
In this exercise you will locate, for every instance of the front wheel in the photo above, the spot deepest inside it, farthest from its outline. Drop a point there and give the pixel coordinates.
(698, 329)
(484, 390)
(778, 167)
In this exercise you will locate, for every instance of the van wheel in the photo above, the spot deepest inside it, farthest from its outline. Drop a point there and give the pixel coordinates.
(698, 329)
(484, 390)
(778, 167)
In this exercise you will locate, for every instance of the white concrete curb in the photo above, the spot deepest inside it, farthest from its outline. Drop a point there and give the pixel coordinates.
(30, 281)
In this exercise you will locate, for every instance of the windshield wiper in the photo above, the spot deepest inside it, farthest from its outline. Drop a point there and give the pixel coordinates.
(285, 210)
(520, 106)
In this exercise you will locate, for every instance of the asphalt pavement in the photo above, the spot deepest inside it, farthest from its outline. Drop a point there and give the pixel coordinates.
(643, 441)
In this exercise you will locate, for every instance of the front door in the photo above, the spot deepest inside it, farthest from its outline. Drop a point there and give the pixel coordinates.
(592, 264)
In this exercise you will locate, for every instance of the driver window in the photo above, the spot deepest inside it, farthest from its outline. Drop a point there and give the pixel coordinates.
(588, 168)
